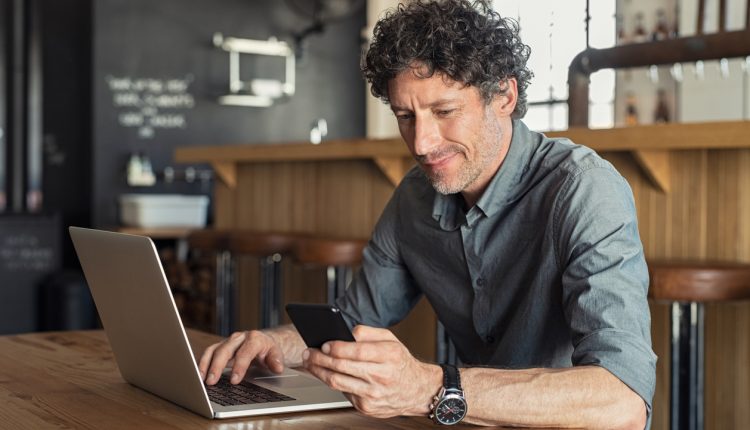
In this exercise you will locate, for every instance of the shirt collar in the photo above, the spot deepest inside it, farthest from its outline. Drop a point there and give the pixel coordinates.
(448, 209)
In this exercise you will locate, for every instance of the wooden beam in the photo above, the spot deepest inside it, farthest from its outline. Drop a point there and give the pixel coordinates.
(655, 165)
(394, 168)
(672, 136)
(227, 172)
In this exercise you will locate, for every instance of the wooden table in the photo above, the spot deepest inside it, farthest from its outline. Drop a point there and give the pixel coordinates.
(70, 380)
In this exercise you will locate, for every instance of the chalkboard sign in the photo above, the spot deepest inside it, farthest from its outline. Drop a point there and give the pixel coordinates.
(149, 104)
(29, 253)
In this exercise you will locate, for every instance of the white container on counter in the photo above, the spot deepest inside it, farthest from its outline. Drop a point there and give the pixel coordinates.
(163, 210)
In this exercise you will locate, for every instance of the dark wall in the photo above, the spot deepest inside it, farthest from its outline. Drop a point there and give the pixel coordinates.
(172, 40)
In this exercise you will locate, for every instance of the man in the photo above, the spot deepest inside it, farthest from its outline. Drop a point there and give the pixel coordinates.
(526, 247)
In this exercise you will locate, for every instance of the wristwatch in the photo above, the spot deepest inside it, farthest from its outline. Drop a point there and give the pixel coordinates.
(449, 405)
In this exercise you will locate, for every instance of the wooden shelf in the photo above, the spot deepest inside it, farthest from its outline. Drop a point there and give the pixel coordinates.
(650, 145)
(158, 233)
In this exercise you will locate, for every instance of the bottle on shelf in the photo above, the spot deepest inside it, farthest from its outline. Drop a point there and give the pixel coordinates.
(621, 36)
(639, 34)
(661, 30)
(661, 113)
(631, 111)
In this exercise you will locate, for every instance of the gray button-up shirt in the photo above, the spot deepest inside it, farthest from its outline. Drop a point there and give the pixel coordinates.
(546, 270)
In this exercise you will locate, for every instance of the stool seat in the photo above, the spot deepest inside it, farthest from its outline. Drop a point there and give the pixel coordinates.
(208, 239)
(338, 256)
(260, 244)
(699, 281)
(329, 252)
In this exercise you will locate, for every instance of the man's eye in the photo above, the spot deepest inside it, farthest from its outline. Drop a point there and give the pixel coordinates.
(444, 112)
(404, 117)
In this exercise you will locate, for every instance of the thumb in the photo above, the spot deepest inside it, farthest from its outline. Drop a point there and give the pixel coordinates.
(363, 333)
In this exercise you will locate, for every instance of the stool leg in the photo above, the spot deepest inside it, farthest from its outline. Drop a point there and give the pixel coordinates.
(687, 366)
(338, 279)
(267, 275)
(276, 292)
(224, 294)
(331, 284)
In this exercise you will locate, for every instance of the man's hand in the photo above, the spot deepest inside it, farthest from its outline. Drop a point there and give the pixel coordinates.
(243, 348)
(377, 373)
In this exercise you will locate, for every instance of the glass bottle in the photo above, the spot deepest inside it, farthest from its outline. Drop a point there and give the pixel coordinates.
(639, 35)
(661, 113)
(631, 111)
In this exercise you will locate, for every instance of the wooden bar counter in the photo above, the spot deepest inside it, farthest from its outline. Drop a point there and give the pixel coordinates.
(691, 184)
(69, 380)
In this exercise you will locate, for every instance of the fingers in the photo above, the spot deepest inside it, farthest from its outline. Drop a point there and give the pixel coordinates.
(261, 348)
(357, 369)
(206, 359)
(239, 350)
(320, 366)
(223, 352)
(376, 351)
(275, 360)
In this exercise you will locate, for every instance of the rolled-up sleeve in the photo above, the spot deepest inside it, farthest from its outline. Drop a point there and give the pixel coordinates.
(605, 277)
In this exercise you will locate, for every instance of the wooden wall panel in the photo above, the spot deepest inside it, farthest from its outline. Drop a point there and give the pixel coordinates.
(706, 215)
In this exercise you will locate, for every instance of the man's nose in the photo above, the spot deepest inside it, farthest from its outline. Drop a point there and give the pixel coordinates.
(426, 136)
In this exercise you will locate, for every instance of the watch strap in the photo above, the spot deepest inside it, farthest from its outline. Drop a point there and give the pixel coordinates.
(451, 377)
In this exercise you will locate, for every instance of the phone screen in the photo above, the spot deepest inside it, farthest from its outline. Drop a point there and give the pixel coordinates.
(319, 323)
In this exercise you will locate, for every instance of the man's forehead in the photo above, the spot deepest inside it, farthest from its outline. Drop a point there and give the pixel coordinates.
(440, 89)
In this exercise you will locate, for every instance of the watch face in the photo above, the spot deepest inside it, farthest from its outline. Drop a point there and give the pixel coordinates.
(450, 410)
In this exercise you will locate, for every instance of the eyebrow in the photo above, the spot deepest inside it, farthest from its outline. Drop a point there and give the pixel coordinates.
(434, 104)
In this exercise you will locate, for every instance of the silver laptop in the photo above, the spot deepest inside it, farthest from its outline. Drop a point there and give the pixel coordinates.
(150, 345)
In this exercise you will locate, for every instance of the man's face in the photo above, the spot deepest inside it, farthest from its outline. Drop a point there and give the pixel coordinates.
(456, 137)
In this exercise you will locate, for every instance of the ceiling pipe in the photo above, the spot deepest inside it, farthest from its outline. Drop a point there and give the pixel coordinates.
(716, 46)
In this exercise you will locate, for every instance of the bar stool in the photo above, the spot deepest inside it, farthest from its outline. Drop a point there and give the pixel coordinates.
(268, 248)
(688, 286)
(208, 241)
(338, 256)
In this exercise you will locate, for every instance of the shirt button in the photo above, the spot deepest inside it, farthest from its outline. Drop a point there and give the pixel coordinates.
(489, 339)
(480, 282)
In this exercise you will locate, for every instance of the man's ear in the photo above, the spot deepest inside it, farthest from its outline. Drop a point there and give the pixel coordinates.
(505, 101)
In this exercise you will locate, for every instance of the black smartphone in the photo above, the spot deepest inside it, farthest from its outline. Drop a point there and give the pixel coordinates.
(318, 323)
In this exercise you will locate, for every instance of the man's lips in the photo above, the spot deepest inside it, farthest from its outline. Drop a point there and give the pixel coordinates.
(437, 161)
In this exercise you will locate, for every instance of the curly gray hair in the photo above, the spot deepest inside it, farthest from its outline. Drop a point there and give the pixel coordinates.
(466, 41)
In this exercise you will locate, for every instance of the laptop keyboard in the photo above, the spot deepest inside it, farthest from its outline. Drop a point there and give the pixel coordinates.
(244, 393)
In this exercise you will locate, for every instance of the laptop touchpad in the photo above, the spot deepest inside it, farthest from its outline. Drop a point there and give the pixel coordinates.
(287, 379)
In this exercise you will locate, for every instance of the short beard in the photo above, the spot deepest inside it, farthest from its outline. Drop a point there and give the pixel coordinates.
(466, 176)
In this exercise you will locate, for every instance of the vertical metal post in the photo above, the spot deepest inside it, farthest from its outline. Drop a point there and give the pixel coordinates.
(17, 84)
(225, 297)
(270, 290)
(33, 150)
(331, 284)
(4, 88)
(687, 366)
